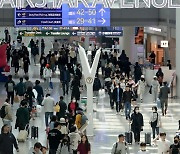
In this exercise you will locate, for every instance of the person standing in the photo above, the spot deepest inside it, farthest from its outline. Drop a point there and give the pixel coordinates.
(30, 95)
(78, 71)
(141, 87)
(155, 121)
(121, 146)
(127, 97)
(65, 79)
(10, 87)
(152, 57)
(96, 87)
(8, 113)
(175, 147)
(162, 143)
(155, 88)
(137, 124)
(42, 46)
(22, 116)
(39, 90)
(137, 72)
(56, 46)
(117, 96)
(72, 108)
(75, 85)
(163, 96)
(63, 108)
(43, 62)
(49, 104)
(84, 147)
(15, 59)
(54, 138)
(7, 141)
(47, 76)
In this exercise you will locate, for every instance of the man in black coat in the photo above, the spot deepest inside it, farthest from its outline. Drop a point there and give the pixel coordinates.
(40, 92)
(117, 97)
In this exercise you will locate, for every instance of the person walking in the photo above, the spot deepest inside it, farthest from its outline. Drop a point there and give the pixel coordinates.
(10, 87)
(141, 87)
(163, 96)
(54, 138)
(49, 104)
(160, 76)
(63, 108)
(7, 141)
(22, 116)
(28, 83)
(26, 62)
(36, 149)
(137, 124)
(117, 96)
(39, 91)
(121, 146)
(8, 113)
(42, 46)
(84, 147)
(155, 88)
(137, 72)
(143, 149)
(20, 89)
(47, 76)
(64, 146)
(72, 108)
(75, 85)
(127, 97)
(155, 121)
(96, 87)
(65, 79)
(43, 62)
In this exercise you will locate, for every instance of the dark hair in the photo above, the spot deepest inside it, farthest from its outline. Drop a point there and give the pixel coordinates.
(142, 144)
(23, 103)
(43, 147)
(21, 79)
(7, 100)
(37, 145)
(61, 97)
(87, 144)
(48, 95)
(37, 82)
(73, 129)
(136, 107)
(10, 76)
(54, 118)
(155, 108)
(66, 139)
(56, 124)
(162, 134)
(2, 129)
(26, 77)
(165, 83)
(176, 137)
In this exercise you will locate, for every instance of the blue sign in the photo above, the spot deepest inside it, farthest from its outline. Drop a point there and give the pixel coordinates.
(64, 16)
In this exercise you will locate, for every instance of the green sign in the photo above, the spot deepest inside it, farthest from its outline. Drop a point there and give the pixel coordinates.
(25, 33)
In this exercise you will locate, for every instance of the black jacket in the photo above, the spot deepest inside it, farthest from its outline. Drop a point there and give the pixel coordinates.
(62, 77)
(6, 143)
(97, 84)
(137, 122)
(127, 96)
(115, 94)
(39, 90)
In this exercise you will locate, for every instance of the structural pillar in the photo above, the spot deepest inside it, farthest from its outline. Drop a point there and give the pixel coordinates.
(178, 52)
(128, 42)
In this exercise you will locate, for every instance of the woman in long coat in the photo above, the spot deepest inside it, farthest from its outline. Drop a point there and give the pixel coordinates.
(75, 85)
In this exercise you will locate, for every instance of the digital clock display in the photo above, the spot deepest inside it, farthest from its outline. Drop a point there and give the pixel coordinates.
(65, 16)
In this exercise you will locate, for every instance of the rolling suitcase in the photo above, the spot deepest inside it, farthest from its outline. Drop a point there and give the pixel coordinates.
(148, 138)
(22, 136)
(129, 135)
(34, 132)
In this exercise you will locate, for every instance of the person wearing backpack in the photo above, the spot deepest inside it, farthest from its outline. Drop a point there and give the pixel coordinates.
(120, 147)
(155, 121)
(9, 85)
(6, 113)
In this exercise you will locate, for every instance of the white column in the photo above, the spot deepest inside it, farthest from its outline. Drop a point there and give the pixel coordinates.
(128, 41)
(178, 51)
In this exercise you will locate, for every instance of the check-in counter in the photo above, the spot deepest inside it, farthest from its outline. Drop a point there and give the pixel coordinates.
(149, 74)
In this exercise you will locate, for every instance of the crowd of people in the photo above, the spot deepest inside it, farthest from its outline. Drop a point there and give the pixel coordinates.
(125, 87)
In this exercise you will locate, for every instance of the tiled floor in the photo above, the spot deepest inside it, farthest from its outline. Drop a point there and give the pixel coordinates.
(107, 125)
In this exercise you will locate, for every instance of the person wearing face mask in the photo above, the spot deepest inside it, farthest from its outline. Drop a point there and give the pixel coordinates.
(117, 97)
(175, 148)
(141, 87)
(64, 146)
(137, 124)
(155, 121)
(155, 88)
(143, 149)
(162, 143)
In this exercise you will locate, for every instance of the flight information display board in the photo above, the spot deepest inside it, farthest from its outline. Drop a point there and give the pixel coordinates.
(65, 16)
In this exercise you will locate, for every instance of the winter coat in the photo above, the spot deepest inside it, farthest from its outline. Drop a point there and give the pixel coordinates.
(137, 122)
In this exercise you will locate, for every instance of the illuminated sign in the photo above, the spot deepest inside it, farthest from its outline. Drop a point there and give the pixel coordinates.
(65, 16)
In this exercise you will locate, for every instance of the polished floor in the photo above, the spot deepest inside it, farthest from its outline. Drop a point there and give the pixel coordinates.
(107, 125)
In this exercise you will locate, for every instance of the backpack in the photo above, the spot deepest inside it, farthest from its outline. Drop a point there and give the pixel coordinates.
(119, 152)
(3, 112)
(10, 87)
(83, 119)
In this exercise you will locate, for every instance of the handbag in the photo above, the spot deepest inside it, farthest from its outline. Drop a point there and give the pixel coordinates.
(16, 99)
(57, 108)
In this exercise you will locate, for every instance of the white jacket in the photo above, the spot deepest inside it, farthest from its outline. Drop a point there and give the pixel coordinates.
(49, 104)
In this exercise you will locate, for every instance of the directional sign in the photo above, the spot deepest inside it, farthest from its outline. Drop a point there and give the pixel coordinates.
(64, 16)
(27, 33)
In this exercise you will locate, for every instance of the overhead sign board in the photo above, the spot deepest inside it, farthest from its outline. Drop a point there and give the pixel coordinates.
(27, 33)
(164, 44)
(65, 16)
